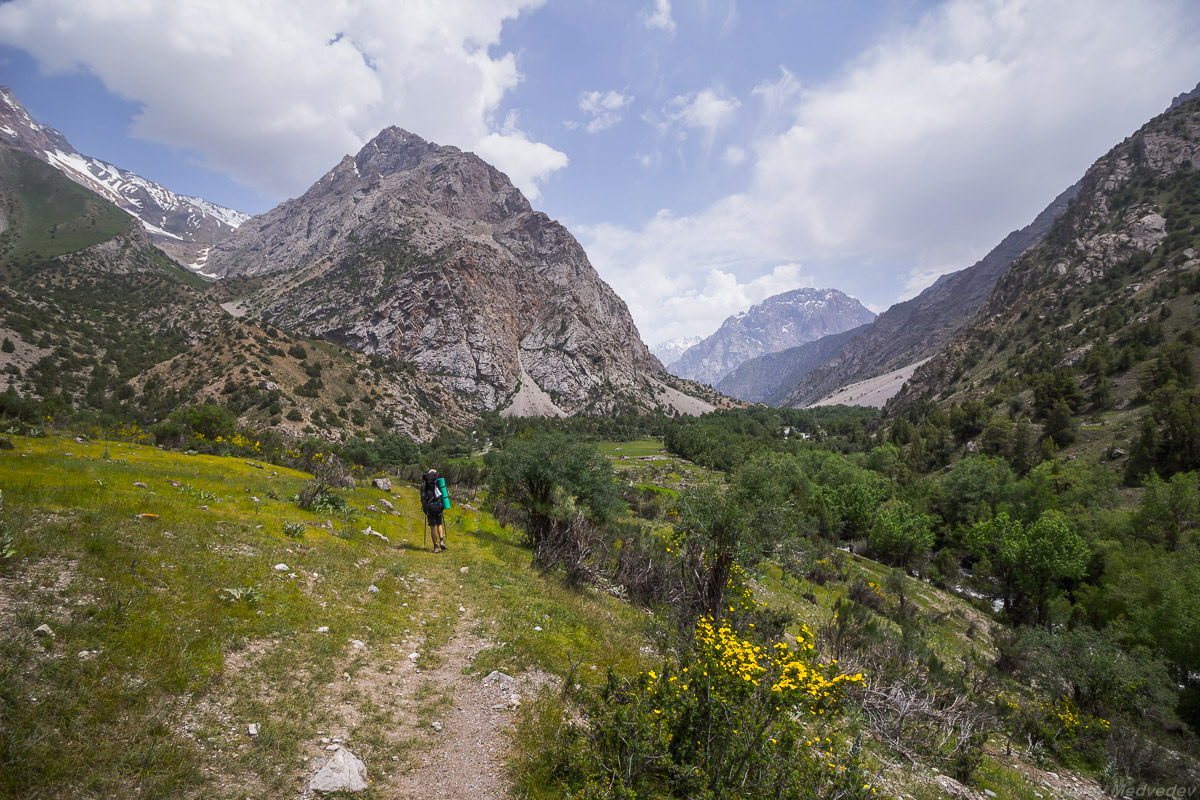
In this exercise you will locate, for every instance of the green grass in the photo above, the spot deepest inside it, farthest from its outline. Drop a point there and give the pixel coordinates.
(57, 215)
(169, 665)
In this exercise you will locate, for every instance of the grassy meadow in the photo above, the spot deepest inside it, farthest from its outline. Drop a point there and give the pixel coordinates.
(173, 628)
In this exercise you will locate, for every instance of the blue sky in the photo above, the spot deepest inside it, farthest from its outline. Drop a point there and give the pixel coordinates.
(707, 153)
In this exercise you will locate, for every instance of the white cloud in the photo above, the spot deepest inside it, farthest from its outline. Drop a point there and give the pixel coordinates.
(604, 108)
(733, 155)
(659, 16)
(708, 109)
(275, 92)
(920, 156)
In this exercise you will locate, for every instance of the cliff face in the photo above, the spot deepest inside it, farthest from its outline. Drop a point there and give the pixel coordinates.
(429, 255)
(778, 323)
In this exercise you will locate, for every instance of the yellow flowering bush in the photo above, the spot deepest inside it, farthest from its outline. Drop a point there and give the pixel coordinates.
(730, 718)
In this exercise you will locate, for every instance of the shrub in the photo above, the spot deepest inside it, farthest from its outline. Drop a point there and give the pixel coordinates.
(294, 529)
(729, 718)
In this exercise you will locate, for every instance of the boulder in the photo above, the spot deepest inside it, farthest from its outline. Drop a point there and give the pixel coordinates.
(382, 484)
(386, 504)
(345, 772)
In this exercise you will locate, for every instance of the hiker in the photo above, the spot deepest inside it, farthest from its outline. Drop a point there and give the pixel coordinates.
(432, 504)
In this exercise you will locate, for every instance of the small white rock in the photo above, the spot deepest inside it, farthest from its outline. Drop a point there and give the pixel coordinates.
(358, 645)
(437, 726)
(43, 630)
(331, 748)
(323, 629)
(252, 729)
(413, 657)
(373, 589)
(537, 627)
(465, 570)
(282, 568)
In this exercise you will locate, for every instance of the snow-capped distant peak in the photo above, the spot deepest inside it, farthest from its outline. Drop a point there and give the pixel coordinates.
(162, 212)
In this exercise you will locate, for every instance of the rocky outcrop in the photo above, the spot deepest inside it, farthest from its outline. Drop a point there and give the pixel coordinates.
(426, 254)
(778, 323)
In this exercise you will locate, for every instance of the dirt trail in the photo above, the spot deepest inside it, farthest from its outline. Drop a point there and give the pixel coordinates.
(466, 757)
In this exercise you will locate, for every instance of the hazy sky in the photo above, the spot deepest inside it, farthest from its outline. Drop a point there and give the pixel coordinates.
(707, 153)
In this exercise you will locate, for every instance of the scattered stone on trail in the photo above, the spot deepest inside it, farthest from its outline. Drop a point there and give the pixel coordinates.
(496, 675)
(386, 504)
(282, 568)
(465, 570)
(413, 657)
(252, 729)
(382, 484)
(437, 726)
(358, 644)
(373, 589)
(140, 485)
(323, 629)
(43, 630)
(344, 773)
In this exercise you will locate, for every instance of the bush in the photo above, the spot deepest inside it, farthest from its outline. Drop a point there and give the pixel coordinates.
(729, 718)
(294, 529)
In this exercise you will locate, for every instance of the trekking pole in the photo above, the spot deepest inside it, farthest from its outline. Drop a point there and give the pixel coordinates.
(426, 534)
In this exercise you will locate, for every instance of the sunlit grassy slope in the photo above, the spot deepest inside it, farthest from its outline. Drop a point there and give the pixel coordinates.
(145, 633)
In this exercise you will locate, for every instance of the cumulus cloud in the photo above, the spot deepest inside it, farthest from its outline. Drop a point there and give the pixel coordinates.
(920, 155)
(659, 16)
(275, 92)
(708, 109)
(604, 108)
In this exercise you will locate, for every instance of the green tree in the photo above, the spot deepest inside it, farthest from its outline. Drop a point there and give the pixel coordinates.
(1060, 425)
(550, 476)
(1031, 562)
(901, 535)
(975, 489)
(1170, 510)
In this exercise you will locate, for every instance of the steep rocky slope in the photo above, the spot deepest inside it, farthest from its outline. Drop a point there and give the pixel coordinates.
(427, 254)
(1099, 280)
(777, 323)
(183, 225)
(916, 329)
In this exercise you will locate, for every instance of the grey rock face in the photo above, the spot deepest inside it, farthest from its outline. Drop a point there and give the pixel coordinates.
(785, 320)
(428, 255)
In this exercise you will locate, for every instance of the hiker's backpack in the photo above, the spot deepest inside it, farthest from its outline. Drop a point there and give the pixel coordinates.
(431, 497)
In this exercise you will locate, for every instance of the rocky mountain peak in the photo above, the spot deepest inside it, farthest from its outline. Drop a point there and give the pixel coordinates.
(780, 322)
(427, 253)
